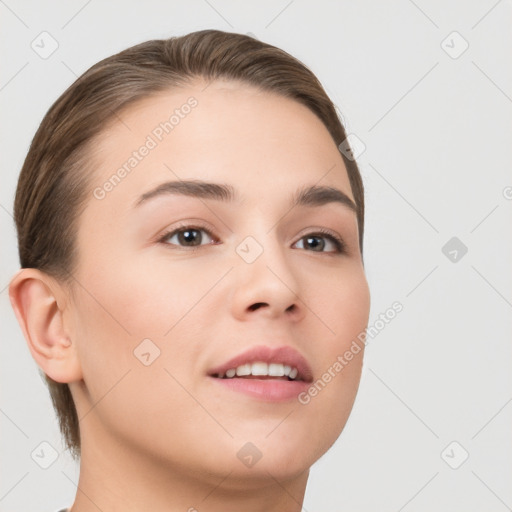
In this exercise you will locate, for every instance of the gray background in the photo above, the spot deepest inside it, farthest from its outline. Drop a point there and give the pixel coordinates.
(437, 132)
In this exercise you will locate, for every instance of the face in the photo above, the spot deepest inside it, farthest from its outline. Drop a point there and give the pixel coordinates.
(174, 284)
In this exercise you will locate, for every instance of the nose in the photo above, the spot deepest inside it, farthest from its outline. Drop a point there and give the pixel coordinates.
(268, 286)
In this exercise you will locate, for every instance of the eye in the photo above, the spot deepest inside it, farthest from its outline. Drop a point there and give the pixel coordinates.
(187, 236)
(193, 237)
(322, 241)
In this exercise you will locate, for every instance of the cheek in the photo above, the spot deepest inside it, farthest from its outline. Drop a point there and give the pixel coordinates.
(144, 301)
(123, 306)
(342, 304)
(114, 316)
(343, 307)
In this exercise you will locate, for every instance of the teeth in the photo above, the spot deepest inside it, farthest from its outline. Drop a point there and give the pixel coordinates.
(261, 369)
(275, 370)
(244, 369)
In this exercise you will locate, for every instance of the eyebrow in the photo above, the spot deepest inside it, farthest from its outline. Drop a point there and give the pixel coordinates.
(312, 195)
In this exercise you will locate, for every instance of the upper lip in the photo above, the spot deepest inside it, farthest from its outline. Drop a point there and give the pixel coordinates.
(285, 355)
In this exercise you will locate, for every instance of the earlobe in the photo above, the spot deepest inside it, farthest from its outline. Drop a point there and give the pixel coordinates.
(38, 303)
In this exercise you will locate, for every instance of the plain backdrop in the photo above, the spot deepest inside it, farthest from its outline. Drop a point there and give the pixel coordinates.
(426, 87)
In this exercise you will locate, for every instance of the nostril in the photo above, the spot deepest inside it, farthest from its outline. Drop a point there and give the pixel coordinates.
(256, 306)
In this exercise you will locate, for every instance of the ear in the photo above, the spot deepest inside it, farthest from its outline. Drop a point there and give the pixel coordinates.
(39, 303)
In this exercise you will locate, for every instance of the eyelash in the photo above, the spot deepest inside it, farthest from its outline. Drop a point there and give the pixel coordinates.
(336, 240)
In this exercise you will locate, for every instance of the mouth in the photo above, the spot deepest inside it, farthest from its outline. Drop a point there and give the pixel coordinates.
(261, 371)
(265, 373)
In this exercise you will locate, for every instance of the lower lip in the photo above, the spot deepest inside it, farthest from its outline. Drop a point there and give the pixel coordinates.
(267, 390)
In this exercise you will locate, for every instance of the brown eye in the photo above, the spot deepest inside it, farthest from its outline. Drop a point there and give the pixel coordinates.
(187, 237)
(322, 242)
(316, 243)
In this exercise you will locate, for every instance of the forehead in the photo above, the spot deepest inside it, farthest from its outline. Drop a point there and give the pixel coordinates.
(223, 131)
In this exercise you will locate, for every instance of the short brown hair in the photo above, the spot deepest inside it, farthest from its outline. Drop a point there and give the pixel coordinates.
(55, 183)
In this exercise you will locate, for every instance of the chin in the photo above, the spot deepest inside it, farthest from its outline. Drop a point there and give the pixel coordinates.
(281, 459)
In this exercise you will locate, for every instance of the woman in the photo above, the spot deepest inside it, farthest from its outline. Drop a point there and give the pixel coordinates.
(192, 281)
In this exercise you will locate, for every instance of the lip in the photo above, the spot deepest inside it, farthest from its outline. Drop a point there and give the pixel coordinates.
(269, 390)
(286, 355)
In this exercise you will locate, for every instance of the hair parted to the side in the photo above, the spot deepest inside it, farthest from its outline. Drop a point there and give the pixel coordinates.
(55, 182)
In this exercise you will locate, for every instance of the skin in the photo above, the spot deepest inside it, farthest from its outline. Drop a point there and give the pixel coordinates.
(165, 436)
